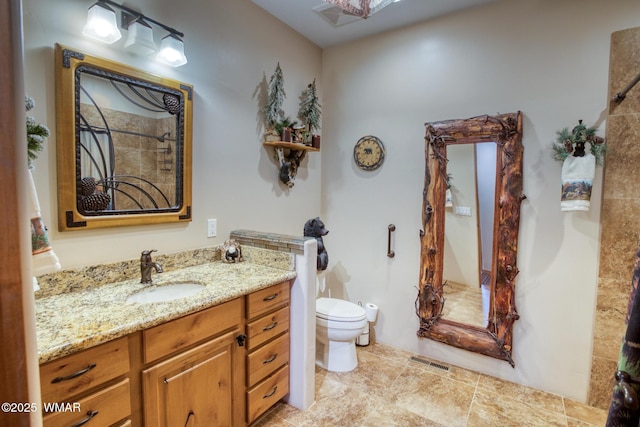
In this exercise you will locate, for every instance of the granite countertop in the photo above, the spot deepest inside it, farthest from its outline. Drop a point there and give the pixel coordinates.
(76, 320)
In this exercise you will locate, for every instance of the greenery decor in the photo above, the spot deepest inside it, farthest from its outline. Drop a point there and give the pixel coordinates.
(36, 134)
(310, 109)
(572, 143)
(284, 123)
(273, 112)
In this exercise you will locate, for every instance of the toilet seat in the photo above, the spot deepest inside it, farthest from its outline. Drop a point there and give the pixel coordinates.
(337, 310)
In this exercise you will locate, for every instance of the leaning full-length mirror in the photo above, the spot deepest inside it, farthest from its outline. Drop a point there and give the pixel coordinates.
(123, 144)
(468, 243)
(471, 216)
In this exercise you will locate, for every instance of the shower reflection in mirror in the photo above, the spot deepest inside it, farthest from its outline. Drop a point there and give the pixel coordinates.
(125, 158)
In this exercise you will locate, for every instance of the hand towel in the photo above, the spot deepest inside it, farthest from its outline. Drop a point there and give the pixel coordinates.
(44, 260)
(448, 201)
(577, 181)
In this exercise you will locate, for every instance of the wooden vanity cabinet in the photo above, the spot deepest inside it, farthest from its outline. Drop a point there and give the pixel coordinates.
(267, 348)
(91, 385)
(222, 366)
(194, 374)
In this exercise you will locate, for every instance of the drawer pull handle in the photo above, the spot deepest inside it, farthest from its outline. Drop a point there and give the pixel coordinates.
(266, 396)
(271, 297)
(74, 375)
(268, 328)
(271, 359)
(82, 422)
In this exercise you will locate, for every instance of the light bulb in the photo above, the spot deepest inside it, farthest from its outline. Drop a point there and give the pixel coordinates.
(172, 51)
(101, 24)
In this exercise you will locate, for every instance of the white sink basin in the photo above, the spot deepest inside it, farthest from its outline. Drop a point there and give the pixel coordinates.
(164, 293)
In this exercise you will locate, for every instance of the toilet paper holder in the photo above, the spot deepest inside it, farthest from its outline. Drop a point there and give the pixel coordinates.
(372, 314)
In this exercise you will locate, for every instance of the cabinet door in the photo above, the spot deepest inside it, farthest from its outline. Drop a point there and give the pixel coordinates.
(195, 388)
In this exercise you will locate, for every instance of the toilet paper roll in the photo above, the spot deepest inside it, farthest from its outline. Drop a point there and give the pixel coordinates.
(372, 312)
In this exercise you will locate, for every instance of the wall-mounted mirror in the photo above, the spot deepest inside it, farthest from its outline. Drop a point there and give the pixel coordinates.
(123, 144)
(471, 217)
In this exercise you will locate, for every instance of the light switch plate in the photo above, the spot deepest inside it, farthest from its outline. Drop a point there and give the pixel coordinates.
(463, 211)
(212, 228)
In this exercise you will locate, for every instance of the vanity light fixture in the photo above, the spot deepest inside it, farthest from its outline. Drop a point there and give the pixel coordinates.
(140, 37)
(101, 24)
(172, 51)
(361, 8)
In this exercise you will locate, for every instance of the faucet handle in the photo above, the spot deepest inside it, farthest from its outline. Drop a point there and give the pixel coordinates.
(145, 256)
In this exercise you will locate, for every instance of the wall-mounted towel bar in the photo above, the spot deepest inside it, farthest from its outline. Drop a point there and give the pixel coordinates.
(619, 97)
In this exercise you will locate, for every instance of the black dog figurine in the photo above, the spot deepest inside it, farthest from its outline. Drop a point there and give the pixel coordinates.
(315, 228)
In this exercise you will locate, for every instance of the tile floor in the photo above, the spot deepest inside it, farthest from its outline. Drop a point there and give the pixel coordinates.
(466, 303)
(388, 389)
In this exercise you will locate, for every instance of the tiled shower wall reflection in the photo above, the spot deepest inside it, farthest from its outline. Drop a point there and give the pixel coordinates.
(146, 157)
(620, 217)
(151, 157)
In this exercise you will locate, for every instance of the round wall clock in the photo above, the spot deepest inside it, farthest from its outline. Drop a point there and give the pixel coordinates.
(369, 153)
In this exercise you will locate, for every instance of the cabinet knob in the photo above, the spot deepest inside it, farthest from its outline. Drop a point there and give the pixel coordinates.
(241, 340)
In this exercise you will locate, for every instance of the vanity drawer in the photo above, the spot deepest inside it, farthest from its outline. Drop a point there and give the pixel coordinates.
(73, 374)
(263, 329)
(267, 359)
(267, 393)
(262, 301)
(175, 335)
(104, 408)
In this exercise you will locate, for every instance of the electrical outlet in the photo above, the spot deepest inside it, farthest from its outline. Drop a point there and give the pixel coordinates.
(212, 228)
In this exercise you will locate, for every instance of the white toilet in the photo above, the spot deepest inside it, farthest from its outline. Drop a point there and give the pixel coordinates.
(338, 324)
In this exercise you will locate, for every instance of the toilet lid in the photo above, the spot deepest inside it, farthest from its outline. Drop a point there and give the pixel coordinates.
(340, 310)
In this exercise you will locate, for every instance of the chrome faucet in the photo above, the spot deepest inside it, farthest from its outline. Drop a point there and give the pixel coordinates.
(146, 265)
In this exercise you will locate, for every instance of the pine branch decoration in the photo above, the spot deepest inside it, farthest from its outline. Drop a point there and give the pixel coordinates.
(310, 108)
(36, 134)
(572, 143)
(273, 112)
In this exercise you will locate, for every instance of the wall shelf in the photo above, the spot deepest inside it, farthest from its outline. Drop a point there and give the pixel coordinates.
(289, 155)
(290, 145)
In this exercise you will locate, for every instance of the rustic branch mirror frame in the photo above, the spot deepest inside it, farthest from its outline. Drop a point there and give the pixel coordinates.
(69, 66)
(496, 340)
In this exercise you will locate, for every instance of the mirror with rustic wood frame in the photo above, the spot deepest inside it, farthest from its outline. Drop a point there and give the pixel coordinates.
(124, 144)
(496, 339)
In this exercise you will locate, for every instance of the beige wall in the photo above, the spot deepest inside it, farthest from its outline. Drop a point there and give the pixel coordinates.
(620, 215)
(547, 58)
(232, 48)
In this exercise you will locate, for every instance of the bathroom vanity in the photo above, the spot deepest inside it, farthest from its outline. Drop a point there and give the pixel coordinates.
(222, 354)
